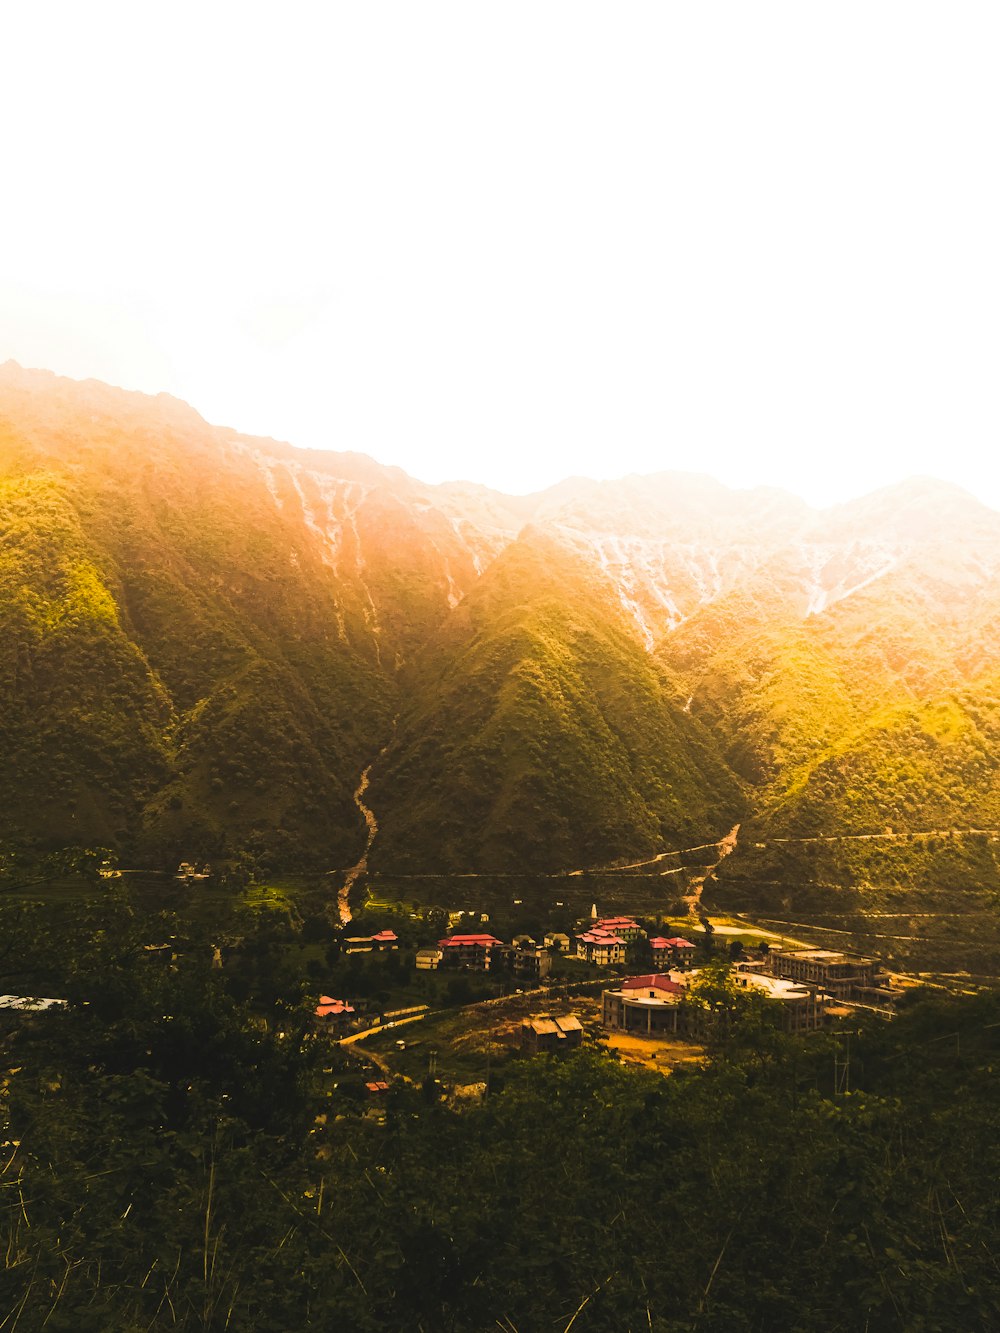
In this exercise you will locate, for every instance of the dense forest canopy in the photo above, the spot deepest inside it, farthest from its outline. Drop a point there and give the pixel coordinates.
(173, 1159)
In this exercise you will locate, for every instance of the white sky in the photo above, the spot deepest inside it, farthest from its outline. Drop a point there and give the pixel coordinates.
(513, 241)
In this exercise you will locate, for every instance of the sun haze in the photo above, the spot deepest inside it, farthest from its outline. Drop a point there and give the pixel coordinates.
(517, 242)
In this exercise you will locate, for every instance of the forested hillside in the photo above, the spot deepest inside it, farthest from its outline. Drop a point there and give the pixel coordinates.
(537, 731)
(207, 638)
(171, 1162)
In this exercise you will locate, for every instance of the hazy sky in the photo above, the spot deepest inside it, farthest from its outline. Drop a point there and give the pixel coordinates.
(513, 241)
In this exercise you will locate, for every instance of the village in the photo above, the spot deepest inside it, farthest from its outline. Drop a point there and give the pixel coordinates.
(617, 983)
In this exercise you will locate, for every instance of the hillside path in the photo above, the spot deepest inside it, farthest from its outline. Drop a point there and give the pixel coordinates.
(726, 846)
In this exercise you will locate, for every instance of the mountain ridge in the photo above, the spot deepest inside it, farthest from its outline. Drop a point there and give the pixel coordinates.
(205, 637)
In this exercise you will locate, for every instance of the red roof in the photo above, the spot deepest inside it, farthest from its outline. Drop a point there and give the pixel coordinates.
(609, 922)
(456, 941)
(659, 943)
(377, 1086)
(654, 981)
(327, 1005)
(600, 937)
(386, 935)
(678, 943)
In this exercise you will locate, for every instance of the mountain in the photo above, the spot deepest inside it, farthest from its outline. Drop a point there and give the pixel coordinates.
(538, 731)
(207, 638)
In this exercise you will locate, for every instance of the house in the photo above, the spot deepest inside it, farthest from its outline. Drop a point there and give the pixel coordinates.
(671, 952)
(544, 1035)
(475, 952)
(622, 926)
(384, 942)
(334, 1016)
(647, 1006)
(556, 941)
(530, 962)
(602, 947)
(428, 960)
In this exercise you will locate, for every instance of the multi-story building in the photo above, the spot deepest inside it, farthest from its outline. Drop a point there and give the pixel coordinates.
(648, 1006)
(672, 952)
(622, 926)
(475, 952)
(602, 947)
(803, 1008)
(845, 976)
(657, 1005)
(530, 962)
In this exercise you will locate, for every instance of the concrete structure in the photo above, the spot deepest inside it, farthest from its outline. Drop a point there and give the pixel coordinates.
(657, 1005)
(622, 926)
(474, 952)
(843, 975)
(648, 1006)
(530, 962)
(671, 952)
(547, 1035)
(601, 947)
(803, 1007)
(428, 960)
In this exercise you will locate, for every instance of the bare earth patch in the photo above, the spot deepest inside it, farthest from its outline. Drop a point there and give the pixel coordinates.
(662, 1056)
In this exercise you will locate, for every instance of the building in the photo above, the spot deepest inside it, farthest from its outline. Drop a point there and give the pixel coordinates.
(428, 960)
(530, 962)
(475, 952)
(845, 976)
(657, 1005)
(622, 926)
(671, 952)
(546, 1035)
(804, 1008)
(648, 1006)
(602, 947)
(557, 941)
(334, 1016)
(384, 942)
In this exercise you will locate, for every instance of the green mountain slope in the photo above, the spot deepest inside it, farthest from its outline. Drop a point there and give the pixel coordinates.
(539, 735)
(187, 677)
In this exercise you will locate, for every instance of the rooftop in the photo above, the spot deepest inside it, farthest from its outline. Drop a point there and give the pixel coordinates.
(775, 988)
(456, 941)
(822, 956)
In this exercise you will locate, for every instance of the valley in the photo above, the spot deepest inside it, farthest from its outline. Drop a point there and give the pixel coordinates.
(206, 638)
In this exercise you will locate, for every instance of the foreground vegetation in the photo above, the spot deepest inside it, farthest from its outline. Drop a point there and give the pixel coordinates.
(176, 1159)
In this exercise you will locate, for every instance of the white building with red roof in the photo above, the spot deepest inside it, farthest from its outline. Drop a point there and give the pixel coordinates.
(622, 926)
(476, 952)
(647, 1006)
(602, 947)
(671, 952)
(332, 1015)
